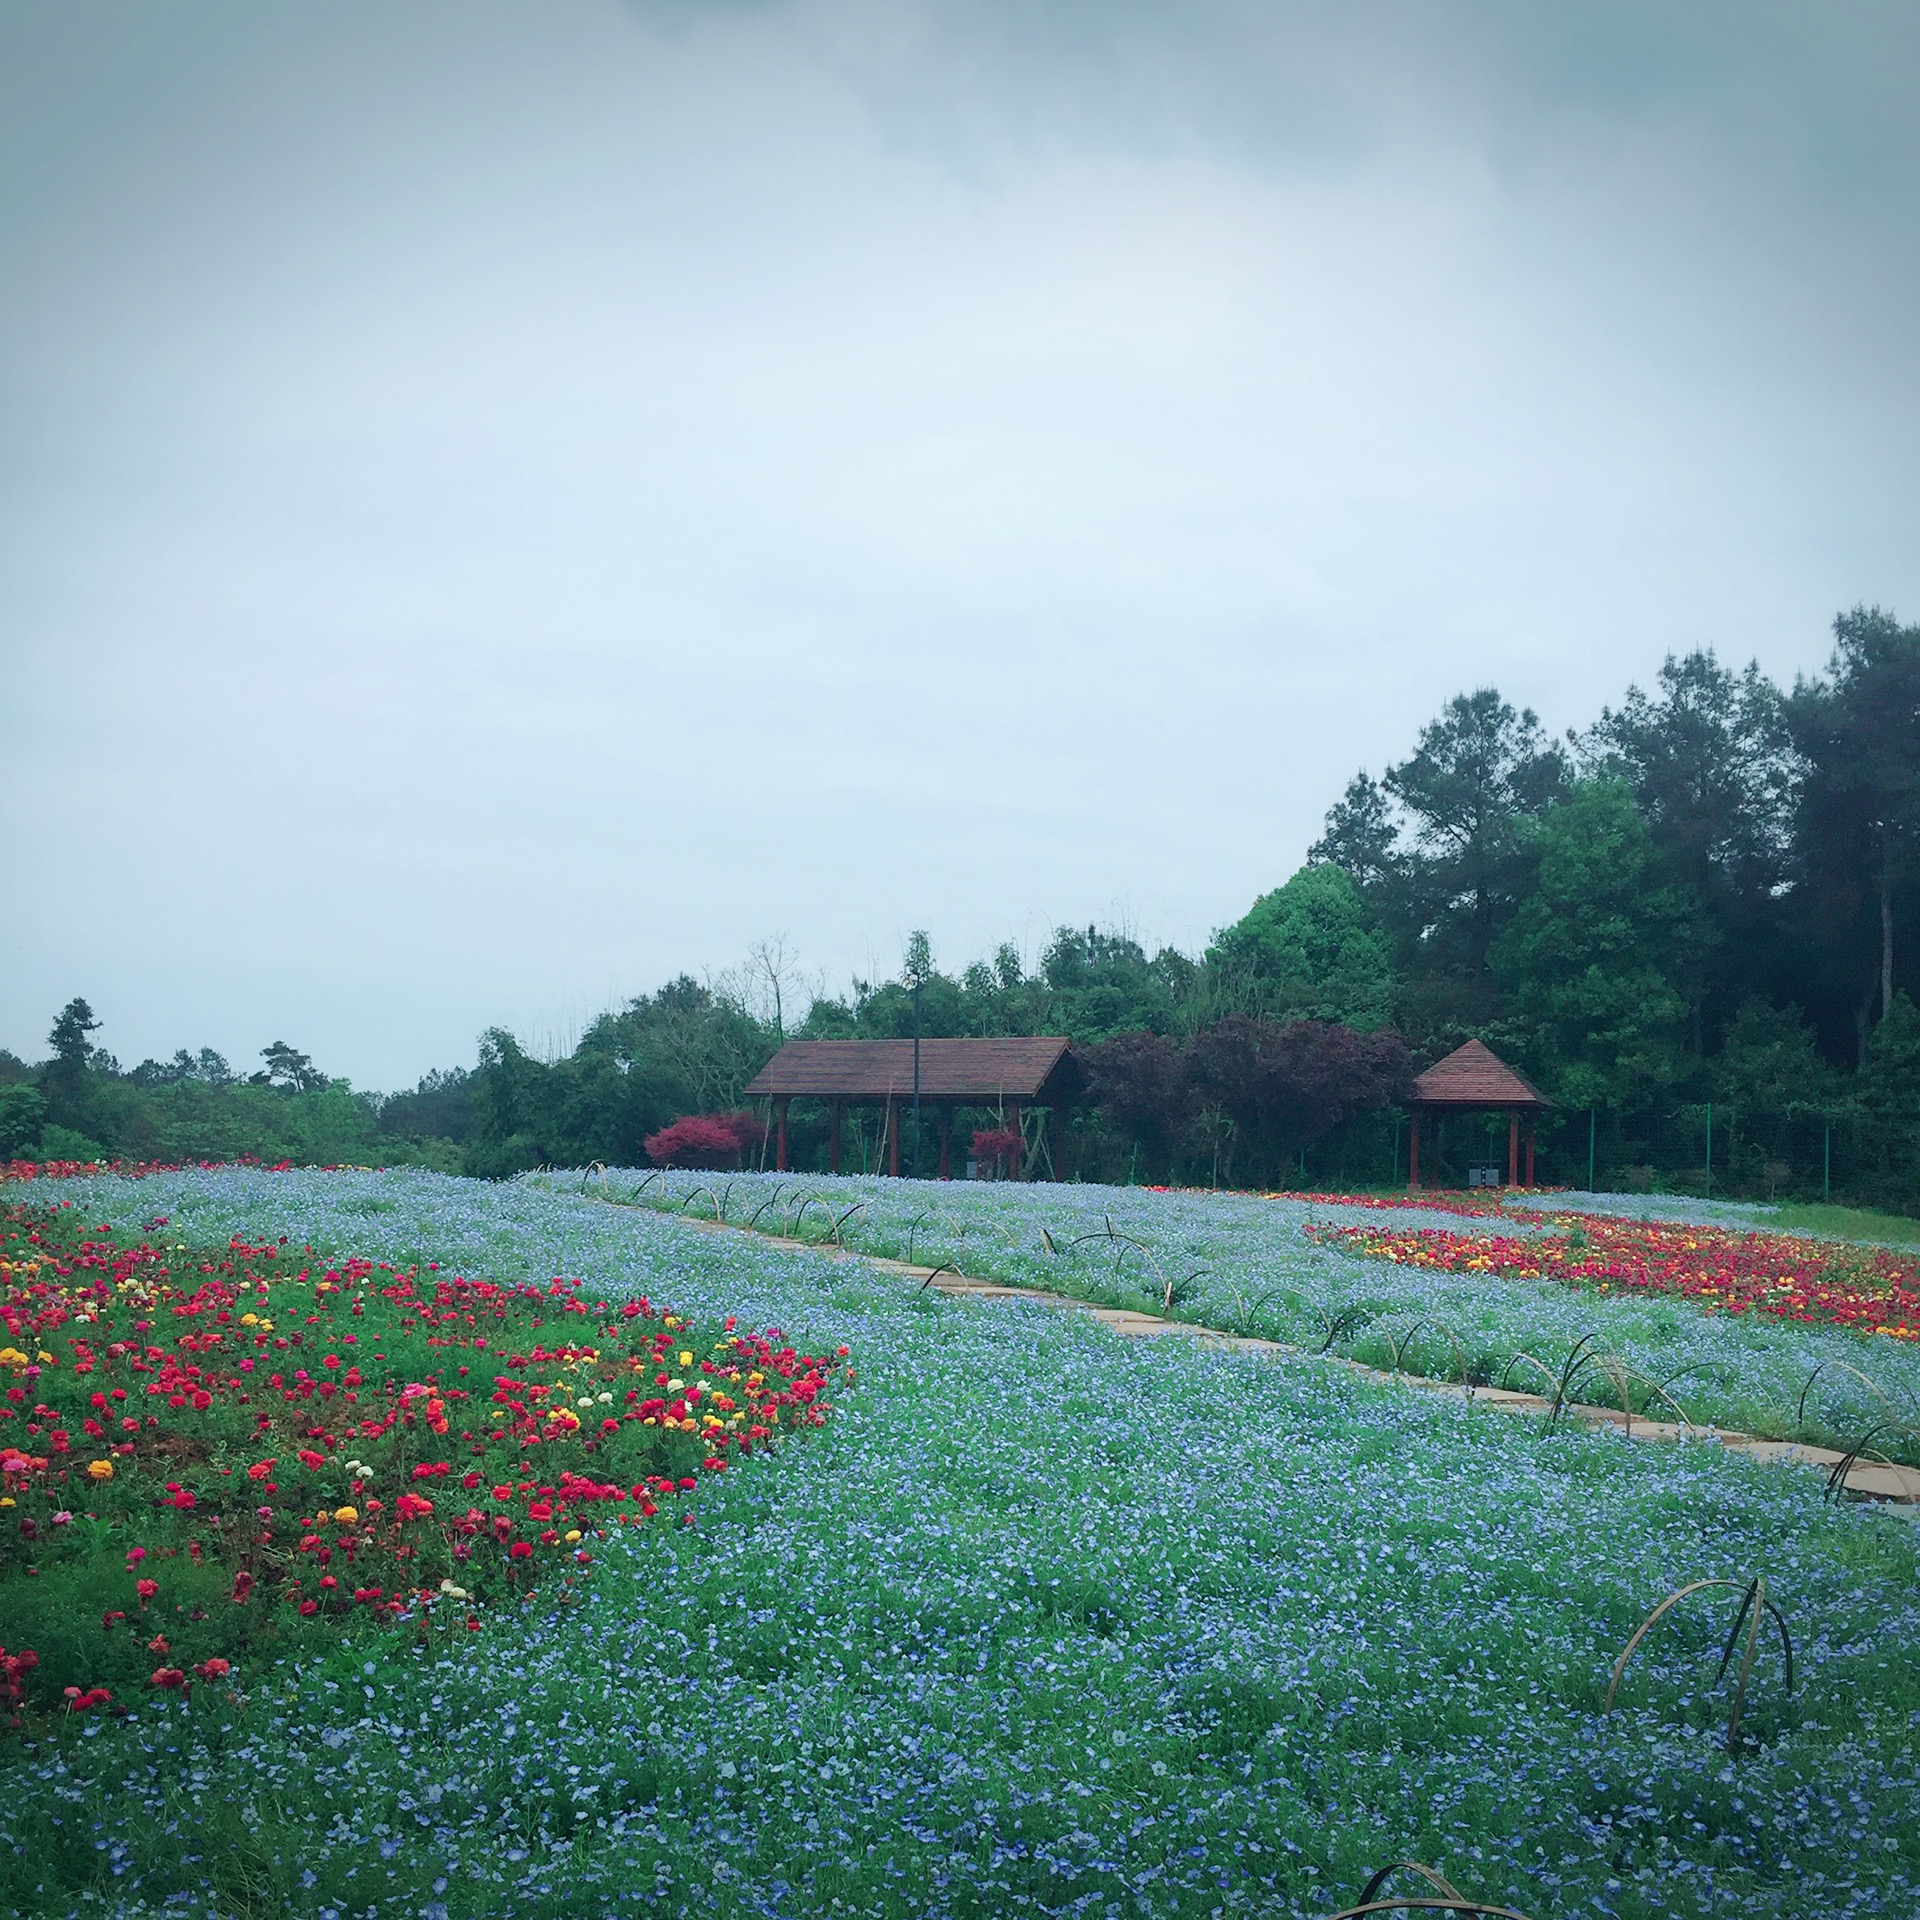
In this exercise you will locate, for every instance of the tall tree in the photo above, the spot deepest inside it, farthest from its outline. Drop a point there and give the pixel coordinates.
(71, 1047)
(1858, 731)
(1309, 950)
(1101, 983)
(1590, 958)
(1439, 849)
(1710, 763)
(1362, 837)
(1476, 775)
(290, 1068)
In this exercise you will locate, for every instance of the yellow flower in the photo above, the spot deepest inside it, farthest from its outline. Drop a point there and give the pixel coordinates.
(571, 1535)
(249, 1319)
(99, 1469)
(686, 1359)
(12, 1357)
(346, 1515)
(44, 1357)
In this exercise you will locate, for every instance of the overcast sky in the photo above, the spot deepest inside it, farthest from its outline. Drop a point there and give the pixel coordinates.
(501, 504)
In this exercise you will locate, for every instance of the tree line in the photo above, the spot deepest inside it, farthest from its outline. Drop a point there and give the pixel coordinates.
(1696, 911)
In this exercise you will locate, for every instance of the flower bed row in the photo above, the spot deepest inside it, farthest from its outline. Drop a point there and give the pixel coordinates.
(206, 1450)
(1782, 1276)
(22, 1170)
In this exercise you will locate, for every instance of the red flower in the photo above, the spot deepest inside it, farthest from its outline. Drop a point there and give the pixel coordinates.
(167, 1677)
(311, 1460)
(520, 1550)
(410, 1506)
(146, 1589)
(214, 1669)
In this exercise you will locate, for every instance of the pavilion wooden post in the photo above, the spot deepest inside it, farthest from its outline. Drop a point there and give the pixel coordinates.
(1513, 1146)
(1413, 1149)
(946, 1143)
(834, 1146)
(893, 1140)
(780, 1140)
(1017, 1165)
(1530, 1125)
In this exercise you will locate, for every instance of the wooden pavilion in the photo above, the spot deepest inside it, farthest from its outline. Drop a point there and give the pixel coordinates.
(1475, 1078)
(1009, 1074)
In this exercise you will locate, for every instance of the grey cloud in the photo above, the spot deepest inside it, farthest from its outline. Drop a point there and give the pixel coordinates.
(498, 504)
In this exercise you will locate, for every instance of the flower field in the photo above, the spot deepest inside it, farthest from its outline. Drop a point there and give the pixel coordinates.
(1517, 1289)
(1039, 1622)
(211, 1453)
(1782, 1276)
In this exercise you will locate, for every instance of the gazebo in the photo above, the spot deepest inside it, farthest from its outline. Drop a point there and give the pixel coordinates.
(1474, 1077)
(890, 1074)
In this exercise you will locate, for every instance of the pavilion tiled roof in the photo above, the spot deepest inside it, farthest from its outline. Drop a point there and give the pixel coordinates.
(977, 1072)
(1475, 1076)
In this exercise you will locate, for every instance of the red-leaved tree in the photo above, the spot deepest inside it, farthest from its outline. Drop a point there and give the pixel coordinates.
(705, 1140)
(1286, 1085)
(998, 1143)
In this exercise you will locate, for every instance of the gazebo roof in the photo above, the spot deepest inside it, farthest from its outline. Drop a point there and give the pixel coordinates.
(1474, 1076)
(974, 1071)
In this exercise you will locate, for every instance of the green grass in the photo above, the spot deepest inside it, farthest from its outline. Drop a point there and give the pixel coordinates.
(1845, 1223)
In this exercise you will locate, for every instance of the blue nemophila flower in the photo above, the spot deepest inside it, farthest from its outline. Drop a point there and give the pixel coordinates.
(1336, 1621)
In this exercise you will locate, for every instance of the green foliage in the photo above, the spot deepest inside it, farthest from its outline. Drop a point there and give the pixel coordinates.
(62, 1143)
(1310, 950)
(1858, 815)
(1770, 1061)
(687, 1049)
(23, 1111)
(1590, 958)
(68, 1039)
(1889, 1099)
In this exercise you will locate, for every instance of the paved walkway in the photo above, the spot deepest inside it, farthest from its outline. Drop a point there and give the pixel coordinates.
(1898, 1487)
